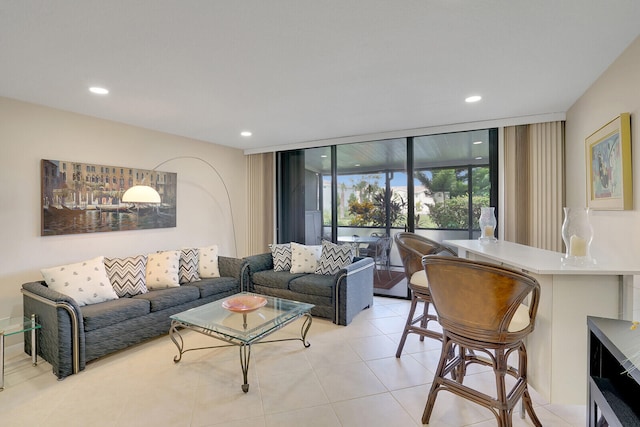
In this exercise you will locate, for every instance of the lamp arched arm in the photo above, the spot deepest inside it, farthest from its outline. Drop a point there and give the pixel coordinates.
(226, 189)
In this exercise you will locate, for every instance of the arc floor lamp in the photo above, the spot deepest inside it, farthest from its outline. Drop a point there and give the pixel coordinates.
(148, 194)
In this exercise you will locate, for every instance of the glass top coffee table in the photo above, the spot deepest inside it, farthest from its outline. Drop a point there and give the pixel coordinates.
(240, 320)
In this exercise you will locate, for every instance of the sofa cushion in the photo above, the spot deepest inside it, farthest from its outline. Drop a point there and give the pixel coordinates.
(304, 259)
(108, 313)
(170, 297)
(86, 282)
(215, 285)
(274, 279)
(281, 254)
(188, 265)
(313, 284)
(334, 257)
(162, 270)
(127, 275)
(208, 262)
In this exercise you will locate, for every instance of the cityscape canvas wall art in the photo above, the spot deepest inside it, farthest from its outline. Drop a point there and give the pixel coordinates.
(87, 198)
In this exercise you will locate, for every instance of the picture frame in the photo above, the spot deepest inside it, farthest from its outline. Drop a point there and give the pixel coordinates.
(609, 176)
(80, 197)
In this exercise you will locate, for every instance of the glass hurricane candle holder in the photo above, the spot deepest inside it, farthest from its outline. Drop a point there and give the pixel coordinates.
(577, 235)
(488, 224)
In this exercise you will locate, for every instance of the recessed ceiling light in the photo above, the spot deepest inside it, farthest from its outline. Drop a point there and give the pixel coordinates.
(324, 156)
(246, 133)
(474, 98)
(477, 142)
(98, 90)
(478, 158)
(357, 165)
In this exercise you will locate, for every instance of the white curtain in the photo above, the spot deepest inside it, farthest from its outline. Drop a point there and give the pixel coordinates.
(261, 199)
(534, 184)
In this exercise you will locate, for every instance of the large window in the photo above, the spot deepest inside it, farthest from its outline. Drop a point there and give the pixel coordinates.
(357, 192)
(371, 190)
(453, 179)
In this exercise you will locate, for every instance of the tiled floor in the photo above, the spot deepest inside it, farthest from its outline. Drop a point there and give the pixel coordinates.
(348, 377)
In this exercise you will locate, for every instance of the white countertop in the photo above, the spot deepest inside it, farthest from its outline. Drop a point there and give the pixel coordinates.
(540, 261)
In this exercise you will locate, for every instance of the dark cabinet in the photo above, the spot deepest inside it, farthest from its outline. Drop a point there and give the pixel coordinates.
(614, 377)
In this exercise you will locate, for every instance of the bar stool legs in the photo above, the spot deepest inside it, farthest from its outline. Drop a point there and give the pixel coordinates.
(418, 324)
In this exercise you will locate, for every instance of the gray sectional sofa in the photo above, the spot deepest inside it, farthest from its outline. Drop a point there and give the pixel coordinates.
(73, 335)
(338, 297)
(75, 332)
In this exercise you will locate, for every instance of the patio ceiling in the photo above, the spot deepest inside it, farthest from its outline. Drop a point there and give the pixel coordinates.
(432, 151)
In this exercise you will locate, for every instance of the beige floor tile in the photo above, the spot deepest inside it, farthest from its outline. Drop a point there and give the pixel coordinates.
(378, 311)
(219, 403)
(380, 410)
(374, 347)
(449, 410)
(348, 381)
(288, 392)
(331, 353)
(253, 422)
(413, 344)
(348, 377)
(388, 325)
(281, 358)
(397, 373)
(318, 416)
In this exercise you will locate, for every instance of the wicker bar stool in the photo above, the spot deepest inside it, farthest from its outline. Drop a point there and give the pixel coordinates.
(486, 312)
(412, 247)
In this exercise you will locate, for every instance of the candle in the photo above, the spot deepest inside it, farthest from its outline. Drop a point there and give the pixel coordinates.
(488, 231)
(577, 246)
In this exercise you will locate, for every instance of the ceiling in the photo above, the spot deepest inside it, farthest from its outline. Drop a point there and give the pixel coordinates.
(294, 71)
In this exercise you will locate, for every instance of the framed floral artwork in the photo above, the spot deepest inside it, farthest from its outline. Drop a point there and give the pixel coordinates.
(608, 152)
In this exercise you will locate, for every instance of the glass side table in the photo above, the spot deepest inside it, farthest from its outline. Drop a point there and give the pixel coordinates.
(17, 325)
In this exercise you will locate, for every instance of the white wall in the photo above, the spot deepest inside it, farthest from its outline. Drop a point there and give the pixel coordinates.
(29, 133)
(616, 233)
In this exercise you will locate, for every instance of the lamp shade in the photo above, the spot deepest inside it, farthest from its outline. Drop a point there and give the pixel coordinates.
(141, 194)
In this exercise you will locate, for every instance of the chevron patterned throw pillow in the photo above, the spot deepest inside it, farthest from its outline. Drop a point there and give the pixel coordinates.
(189, 265)
(281, 254)
(127, 275)
(334, 257)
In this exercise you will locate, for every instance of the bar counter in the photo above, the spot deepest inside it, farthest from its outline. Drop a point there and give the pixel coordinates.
(557, 349)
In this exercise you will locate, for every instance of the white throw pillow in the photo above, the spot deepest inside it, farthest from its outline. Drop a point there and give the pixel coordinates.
(304, 259)
(208, 262)
(162, 270)
(86, 282)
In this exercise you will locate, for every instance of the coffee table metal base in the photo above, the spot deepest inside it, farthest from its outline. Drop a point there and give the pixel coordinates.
(244, 346)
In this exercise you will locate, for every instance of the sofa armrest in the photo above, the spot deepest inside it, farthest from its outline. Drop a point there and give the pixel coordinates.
(234, 267)
(230, 267)
(260, 262)
(353, 290)
(255, 263)
(61, 336)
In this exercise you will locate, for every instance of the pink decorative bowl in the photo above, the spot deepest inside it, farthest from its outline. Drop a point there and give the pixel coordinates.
(244, 303)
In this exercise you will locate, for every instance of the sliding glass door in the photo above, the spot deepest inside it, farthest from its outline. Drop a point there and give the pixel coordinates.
(372, 182)
(360, 193)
